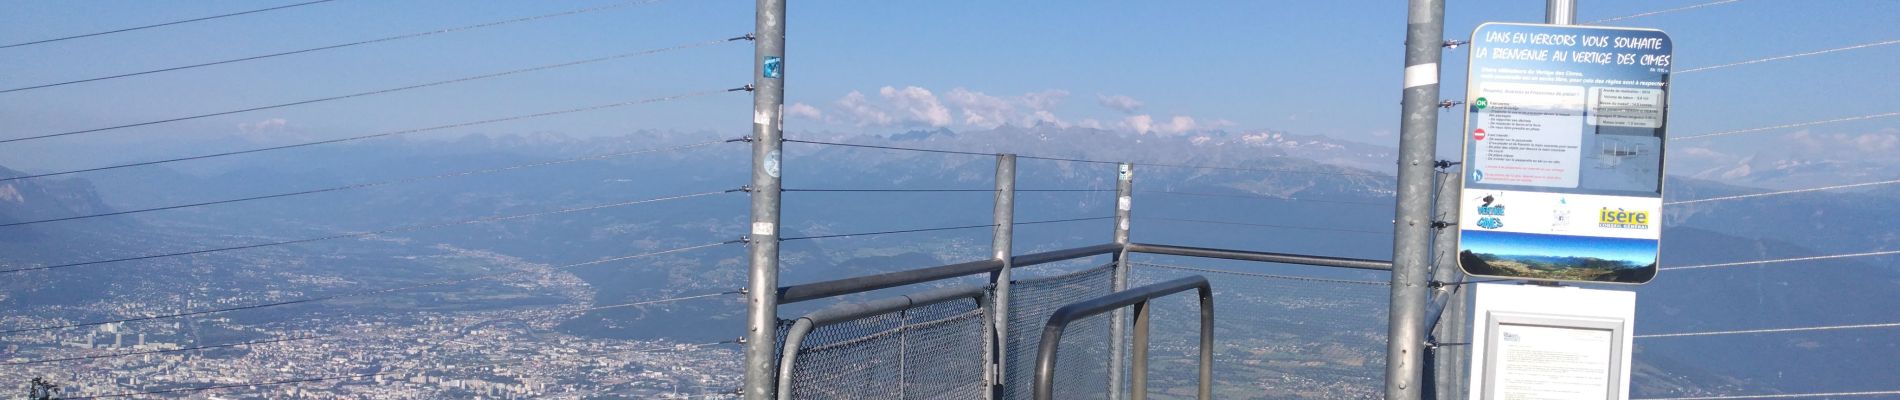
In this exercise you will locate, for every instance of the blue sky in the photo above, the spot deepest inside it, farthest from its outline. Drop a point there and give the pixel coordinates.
(1328, 68)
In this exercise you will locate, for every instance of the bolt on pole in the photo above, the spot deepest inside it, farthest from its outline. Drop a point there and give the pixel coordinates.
(1001, 238)
(768, 99)
(1449, 362)
(1411, 243)
(1124, 192)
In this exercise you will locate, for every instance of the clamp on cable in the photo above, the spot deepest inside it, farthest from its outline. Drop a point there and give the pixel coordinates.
(747, 88)
(748, 36)
(1448, 104)
(1453, 44)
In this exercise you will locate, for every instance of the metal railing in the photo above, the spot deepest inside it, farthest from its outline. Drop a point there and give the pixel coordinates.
(1138, 298)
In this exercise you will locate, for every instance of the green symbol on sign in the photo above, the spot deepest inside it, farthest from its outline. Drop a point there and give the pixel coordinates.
(1481, 103)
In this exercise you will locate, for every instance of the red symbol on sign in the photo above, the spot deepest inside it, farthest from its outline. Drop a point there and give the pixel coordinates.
(1477, 134)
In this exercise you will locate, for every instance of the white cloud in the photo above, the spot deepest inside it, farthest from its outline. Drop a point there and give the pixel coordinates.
(918, 103)
(981, 109)
(1122, 103)
(263, 126)
(1142, 124)
(806, 111)
(1179, 124)
(1044, 100)
(862, 112)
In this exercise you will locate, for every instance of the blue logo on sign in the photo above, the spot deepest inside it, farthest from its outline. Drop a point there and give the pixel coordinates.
(774, 67)
(1490, 223)
(1477, 175)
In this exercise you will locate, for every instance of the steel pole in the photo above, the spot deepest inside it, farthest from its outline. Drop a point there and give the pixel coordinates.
(1449, 363)
(1002, 236)
(1560, 12)
(1411, 243)
(1124, 200)
(768, 99)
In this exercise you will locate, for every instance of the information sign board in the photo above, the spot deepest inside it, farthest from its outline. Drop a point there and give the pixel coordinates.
(1563, 155)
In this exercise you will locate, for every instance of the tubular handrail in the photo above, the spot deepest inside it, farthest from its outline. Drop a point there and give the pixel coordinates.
(840, 287)
(795, 337)
(1137, 297)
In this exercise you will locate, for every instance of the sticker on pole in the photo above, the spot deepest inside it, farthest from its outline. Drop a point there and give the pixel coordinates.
(1564, 156)
(774, 67)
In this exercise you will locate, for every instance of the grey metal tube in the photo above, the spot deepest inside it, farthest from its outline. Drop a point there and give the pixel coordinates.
(1243, 255)
(1560, 12)
(795, 337)
(1004, 216)
(1449, 324)
(1060, 319)
(768, 99)
(1411, 243)
(840, 287)
(1124, 202)
(1139, 375)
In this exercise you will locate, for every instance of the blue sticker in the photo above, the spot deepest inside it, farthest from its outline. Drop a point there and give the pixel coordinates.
(774, 67)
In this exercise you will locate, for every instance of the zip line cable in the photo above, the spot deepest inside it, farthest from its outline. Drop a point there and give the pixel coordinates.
(366, 293)
(163, 24)
(1784, 260)
(1034, 157)
(1793, 125)
(1782, 192)
(1778, 330)
(309, 337)
(1203, 221)
(404, 228)
(377, 183)
(342, 45)
(140, 353)
(391, 90)
(1262, 197)
(946, 228)
(1782, 396)
(384, 134)
(457, 368)
(1796, 55)
(1665, 11)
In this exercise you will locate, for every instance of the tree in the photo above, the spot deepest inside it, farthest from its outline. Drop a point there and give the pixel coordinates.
(43, 389)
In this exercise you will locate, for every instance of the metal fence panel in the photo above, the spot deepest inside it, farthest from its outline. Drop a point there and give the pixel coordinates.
(1083, 372)
(927, 352)
(1276, 337)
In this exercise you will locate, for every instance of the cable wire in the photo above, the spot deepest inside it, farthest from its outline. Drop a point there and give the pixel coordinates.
(163, 24)
(1304, 228)
(338, 46)
(378, 135)
(1796, 55)
(388, 90)
(183, 349)
(1665, 11)
(1778, 330)
(1793, 125)
(1262, 197)
(1783, 260)
(1034, 157)
(939, 190)
(372, 375)
(375, 184)
(946, 228)
(1260, 275)
(367, 293)
(1782, 396)
(1782, 192)
(404, 228)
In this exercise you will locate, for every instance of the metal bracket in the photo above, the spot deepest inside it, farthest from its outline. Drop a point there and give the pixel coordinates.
(1453, 44)
(1448, 104)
